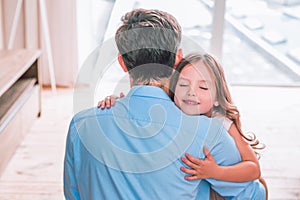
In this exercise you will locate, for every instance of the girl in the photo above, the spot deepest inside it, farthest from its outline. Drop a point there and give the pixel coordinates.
(199, 87)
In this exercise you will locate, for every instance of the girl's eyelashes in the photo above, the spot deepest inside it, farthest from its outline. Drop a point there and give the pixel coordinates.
(187, 85)
(183, 85)
(203, 88)
(202, 85)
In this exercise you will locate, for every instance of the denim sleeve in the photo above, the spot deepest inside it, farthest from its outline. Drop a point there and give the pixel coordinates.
(70, 181)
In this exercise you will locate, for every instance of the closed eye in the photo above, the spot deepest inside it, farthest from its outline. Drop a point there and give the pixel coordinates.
(203, 88)
(183, 85)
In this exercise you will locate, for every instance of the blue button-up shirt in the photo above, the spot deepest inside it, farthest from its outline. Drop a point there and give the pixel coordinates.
(133, 151)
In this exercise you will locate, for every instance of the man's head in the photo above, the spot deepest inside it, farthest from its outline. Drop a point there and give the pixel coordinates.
(148, 42)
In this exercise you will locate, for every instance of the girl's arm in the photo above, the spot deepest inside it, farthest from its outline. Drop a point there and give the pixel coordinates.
(246, 170)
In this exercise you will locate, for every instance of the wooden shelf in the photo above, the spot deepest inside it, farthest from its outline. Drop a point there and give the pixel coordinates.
(13, 99)
(20, 99)
(13, 64)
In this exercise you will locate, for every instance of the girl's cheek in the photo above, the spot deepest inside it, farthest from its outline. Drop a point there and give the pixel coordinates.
(176, 101)
(179, 93)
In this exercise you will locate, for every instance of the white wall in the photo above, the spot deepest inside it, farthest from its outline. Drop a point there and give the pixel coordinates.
(63, 35)
(92, 20)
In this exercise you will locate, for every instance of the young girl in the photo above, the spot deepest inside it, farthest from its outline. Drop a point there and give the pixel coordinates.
(199, 87)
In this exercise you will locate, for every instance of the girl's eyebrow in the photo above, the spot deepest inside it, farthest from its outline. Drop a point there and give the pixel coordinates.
(201, 81)
(181, 78)
(204, 81)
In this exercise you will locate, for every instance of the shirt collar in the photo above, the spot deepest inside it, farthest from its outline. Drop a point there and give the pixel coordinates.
(148, 91)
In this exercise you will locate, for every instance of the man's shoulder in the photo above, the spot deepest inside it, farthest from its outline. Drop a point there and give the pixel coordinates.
(84, 114)
(203, 121)
(90, 113)
(201, 124)
(87, 119)
(209, 129)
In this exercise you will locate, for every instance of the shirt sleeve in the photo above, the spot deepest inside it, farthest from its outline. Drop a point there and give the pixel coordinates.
(70, 181)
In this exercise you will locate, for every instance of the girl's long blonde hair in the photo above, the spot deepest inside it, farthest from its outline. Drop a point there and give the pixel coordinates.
(225, 105)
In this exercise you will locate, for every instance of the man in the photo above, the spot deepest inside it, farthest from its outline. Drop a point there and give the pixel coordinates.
(133, 150)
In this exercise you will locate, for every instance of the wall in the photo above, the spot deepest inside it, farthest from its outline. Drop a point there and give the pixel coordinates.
(92, 21)
(63, 36)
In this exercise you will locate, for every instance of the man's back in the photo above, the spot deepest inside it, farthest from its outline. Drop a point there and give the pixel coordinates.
(133, 150)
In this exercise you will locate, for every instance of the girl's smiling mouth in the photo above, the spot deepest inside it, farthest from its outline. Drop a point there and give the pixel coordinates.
(190, 102)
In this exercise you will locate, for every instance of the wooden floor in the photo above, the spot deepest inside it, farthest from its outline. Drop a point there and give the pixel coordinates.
(35, 171)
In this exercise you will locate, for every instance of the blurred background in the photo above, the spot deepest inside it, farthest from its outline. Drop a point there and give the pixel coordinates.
(257, 42)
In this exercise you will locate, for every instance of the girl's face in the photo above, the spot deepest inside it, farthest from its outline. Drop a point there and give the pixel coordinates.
(195, 92)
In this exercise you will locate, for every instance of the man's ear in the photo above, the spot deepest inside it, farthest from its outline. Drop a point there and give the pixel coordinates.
(178, 58)
(121, 62)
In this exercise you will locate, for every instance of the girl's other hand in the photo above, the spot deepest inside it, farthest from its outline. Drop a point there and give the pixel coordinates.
(200, 169)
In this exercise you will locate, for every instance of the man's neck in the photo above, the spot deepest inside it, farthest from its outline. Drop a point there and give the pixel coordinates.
(161, 83)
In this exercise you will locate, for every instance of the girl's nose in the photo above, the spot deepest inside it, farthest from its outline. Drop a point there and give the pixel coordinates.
(191, 92)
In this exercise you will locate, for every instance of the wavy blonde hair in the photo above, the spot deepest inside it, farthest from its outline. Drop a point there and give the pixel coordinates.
(223, 96)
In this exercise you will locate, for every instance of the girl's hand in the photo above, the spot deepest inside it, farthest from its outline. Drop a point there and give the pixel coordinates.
(109, 101)
(200, 169)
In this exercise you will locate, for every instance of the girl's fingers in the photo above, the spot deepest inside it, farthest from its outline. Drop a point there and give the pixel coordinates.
(207, 153)
(101, 104)
(193, 159)
(191, 172)
(188, 171)
(112, 101)
(189, 163)
(191, 178)
(108, 102)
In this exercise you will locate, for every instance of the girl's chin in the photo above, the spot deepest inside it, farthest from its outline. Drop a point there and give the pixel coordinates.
(188, 112)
